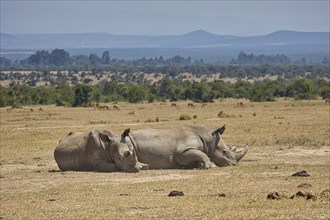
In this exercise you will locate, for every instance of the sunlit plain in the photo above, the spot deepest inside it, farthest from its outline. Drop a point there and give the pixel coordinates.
(285, 137)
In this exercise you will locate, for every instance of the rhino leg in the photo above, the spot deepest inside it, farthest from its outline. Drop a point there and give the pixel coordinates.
(194, 157)
(143, 166)
(106, 166)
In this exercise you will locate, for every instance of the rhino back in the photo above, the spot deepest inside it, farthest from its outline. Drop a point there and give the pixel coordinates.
(71, 154)
(203, 132)
(158, 148)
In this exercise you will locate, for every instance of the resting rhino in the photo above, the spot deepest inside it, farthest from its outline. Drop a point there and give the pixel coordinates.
(97, 150)
(184, 147)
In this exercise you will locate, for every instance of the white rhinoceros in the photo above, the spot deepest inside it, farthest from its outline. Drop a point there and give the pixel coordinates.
(97, 150)
(184, 147)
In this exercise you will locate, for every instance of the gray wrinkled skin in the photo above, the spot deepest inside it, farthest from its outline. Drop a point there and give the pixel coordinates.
(97, 150)
(184, 147)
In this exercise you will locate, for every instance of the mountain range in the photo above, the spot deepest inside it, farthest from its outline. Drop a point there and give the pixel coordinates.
(197, 45)
(195, 39)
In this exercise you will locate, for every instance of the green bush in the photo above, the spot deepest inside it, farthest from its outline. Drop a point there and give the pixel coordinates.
(221, 114)
(184, 117)
(83, 95)
(325, 92)
(301, 89)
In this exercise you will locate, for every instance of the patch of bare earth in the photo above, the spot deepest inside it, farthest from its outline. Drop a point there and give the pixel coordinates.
(39, 175)
(281, 135)
(292, 155)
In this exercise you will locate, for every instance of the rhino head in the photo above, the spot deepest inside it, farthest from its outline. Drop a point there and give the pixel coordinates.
(222, 154)
(121, 154)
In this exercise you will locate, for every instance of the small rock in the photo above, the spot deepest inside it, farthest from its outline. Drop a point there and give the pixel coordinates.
(305, 185)
(123, 194)
(306, 195)
(51, 200)
(302, 173)
(221, 195)
(176, 193)
(276, 195)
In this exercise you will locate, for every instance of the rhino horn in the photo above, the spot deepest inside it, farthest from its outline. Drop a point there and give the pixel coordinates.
(240, 154)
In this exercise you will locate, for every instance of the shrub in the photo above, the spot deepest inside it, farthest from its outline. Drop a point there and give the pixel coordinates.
(184, 117)
(149, 121)
(83, 95)
(221, 114)
(301, 89)
(324, 92)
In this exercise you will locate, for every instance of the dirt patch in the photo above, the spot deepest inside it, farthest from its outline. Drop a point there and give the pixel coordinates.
(154, 178)
(282, 139)
(296, 155)
(35, 175)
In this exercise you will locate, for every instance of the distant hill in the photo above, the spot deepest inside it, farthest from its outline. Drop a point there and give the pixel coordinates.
(198, 44)
(195, 39)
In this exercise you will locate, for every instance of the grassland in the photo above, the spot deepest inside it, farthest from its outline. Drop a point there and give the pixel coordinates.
(285, 137)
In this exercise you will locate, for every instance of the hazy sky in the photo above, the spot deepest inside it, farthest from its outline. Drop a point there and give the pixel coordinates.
(241, 18)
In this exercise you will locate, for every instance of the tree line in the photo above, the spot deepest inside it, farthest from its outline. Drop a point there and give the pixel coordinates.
(165, 89)
(246, 65)
(299, 80)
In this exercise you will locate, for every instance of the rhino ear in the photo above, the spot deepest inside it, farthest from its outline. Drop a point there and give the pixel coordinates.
(105, 138)
(126, 132)
(219, 130)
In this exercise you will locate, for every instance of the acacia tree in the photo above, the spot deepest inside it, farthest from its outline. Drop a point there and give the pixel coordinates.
(106, 57)
(301, 89)
(60, 57)
(136, 93)
(83, 95)
(262, 92)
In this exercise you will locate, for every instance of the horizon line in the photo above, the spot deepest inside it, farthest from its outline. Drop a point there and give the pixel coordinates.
(161, 35)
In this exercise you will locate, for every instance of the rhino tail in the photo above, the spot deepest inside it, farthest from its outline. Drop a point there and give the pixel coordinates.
(219, 130)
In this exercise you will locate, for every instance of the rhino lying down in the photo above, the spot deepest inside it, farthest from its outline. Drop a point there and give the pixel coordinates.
(184, 147)
(97, 150)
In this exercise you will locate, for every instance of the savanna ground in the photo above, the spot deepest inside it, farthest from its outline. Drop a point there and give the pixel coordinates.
(285, 137)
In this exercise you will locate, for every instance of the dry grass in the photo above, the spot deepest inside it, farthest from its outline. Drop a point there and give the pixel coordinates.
(284, 137)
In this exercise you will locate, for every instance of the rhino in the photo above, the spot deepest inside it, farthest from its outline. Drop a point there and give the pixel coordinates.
(97, 150)
(183, 147)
